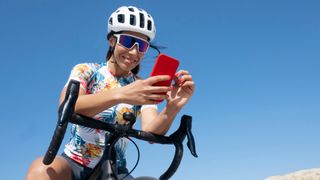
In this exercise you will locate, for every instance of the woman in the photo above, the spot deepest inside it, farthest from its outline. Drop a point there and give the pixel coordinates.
(111, 88)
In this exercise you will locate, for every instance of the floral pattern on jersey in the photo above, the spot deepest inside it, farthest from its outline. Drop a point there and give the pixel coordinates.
(90, 151)
(86, 145)
(82, 72)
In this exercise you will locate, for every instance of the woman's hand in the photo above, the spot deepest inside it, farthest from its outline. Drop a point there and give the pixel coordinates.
(181, 91)
(142, 92)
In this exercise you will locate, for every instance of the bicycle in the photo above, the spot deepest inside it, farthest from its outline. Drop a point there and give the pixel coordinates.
(105, 169)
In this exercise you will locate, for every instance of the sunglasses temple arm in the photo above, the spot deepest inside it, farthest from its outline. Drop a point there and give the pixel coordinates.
(156, 48)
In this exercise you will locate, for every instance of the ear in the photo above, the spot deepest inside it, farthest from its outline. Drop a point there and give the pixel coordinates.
(112, 41)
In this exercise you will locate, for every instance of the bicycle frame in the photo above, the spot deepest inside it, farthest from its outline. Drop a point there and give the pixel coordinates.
(116, 131)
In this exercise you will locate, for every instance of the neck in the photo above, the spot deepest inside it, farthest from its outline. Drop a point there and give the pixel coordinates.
(115, 69)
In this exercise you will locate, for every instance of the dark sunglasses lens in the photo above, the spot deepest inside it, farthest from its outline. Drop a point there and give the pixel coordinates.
(143, 45)
(126, 41)
(129, 41)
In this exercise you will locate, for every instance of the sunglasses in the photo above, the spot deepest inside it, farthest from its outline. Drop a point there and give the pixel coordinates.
(128, 41)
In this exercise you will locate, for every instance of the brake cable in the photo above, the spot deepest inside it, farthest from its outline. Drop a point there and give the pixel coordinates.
(137, 162)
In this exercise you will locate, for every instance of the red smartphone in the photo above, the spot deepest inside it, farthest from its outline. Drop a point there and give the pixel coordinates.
(165, 65)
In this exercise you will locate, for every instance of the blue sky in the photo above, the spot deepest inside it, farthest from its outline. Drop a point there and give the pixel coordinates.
(255, 65)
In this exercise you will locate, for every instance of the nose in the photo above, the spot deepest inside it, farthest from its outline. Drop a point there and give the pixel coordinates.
(134, 49)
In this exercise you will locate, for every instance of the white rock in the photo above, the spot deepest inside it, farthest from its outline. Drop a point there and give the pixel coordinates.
(307, 174)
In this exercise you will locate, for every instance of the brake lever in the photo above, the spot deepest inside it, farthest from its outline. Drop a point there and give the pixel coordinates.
(191, 142)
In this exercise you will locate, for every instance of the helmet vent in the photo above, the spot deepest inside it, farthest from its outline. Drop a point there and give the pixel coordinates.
(121, 18)
(141, 20)
(132, 19)
(110, 21)
(149, 25)
(131, 9)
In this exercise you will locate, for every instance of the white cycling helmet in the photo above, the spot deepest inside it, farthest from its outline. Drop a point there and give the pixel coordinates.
(130, 18)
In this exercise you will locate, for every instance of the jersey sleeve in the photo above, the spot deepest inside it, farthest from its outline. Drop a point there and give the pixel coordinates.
(149, 106)
(82, 73)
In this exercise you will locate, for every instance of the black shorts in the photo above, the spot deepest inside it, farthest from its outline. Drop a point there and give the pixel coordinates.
(80, 172)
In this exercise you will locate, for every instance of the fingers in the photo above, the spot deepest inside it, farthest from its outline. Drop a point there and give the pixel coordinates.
(182, 76)
(155, 98)
(143, 92)
(159, 89)
(184, 80)
(188, 87)
(154, 94)
(182, 72)
(154, 79)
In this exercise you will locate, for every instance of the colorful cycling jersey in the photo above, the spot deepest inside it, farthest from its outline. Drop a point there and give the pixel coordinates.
(86, 145)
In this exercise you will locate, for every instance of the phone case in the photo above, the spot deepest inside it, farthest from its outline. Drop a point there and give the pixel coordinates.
(165, 65)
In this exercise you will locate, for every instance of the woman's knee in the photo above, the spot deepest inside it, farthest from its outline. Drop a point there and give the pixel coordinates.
(58, 169)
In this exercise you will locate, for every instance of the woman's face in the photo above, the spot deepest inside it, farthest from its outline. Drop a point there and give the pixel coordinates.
(125, 58)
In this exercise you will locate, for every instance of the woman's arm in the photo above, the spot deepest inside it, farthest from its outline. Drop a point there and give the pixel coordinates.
(156, 123)
(137, 93)
(92, 104)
